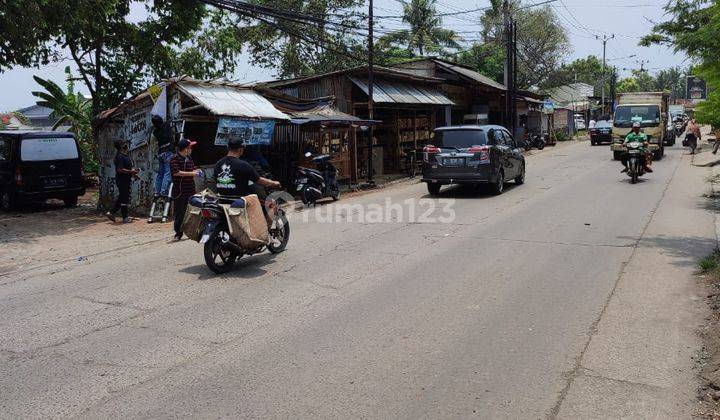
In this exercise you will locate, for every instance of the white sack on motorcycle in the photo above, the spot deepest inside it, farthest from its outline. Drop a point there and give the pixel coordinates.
(248, 225)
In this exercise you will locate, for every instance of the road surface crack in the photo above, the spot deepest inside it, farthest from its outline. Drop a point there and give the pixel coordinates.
(575, 371)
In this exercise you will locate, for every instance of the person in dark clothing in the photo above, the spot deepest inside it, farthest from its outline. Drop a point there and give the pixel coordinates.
(234, 175)
(184, 172)
(124, 171)
(161, 132)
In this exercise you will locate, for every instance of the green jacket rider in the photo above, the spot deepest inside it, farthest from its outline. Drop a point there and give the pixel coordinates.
(638, 136)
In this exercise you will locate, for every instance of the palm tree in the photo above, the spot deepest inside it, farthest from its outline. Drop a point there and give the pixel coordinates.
(426, 33)
(73, 109)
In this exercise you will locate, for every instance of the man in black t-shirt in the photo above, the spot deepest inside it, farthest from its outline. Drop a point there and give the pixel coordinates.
(233, 175)
(124, 172)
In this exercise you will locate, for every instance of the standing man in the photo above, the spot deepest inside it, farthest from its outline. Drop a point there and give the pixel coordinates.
(161, 132)
(183, 175)
(124, 172)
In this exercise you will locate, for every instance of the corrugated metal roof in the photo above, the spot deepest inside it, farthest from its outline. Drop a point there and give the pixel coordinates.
(231, 101)
(388, 92)
(470, 74)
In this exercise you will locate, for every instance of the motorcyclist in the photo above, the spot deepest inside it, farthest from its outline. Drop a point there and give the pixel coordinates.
(638, 136)
(234, 176)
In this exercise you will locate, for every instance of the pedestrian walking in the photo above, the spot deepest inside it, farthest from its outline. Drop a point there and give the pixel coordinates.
(693, 136)
(124, 172)
(184, 172)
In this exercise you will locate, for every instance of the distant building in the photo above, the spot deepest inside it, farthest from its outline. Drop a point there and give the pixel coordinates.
(39, 117)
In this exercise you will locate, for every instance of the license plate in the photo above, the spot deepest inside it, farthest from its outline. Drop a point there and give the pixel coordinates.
(453, 162)
(53, 182)
(634, 152)
(204, 238)
(604, 131)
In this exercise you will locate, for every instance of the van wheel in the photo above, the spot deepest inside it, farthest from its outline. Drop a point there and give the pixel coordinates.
(70, 202)
(433, 189)
(7, 201)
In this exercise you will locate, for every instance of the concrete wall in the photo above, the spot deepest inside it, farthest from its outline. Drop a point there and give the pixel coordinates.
(128, 125)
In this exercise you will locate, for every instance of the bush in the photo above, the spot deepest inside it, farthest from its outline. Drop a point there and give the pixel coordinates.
(561, 135)
(711, 263)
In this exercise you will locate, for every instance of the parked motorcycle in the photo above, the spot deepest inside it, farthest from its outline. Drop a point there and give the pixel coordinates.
(315, 184)
(535, 140)
(222, 250)
(635, 161)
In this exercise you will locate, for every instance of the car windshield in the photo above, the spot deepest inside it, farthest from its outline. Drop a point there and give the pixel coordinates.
(460, 139)
(603, 124)
(44, 149)
(646, 115)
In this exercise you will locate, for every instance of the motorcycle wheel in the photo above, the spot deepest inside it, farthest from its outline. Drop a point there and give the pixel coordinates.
(305, 199)
(336, 195)
(633, 171)
(541, 145)
(218, 259)
(279, 234)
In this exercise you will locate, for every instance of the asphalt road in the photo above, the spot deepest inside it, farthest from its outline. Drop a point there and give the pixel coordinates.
(570, 296)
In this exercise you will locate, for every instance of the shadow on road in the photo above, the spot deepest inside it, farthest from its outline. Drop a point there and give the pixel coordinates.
(687, 250)
(247, 267)
(469, 192)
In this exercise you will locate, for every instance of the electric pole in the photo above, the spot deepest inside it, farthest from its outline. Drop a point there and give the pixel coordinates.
(604, 40)
(371, 116)
(509, 66)
(642, 63)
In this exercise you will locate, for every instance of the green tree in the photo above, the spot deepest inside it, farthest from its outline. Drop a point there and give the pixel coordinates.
(487, 59)
(296, 48)
(116, 55)
(72, 109)
(629, 84)
(584, 70)
(693, 28)
(671, 80)
(426, 34)
(542, 40)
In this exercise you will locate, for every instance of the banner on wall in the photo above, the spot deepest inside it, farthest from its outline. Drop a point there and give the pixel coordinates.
(138, 129)
(253, 132)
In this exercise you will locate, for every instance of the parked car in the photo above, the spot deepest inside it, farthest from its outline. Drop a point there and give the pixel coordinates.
(580, 122)
(37, 165)
(602, 133)
(472, 154)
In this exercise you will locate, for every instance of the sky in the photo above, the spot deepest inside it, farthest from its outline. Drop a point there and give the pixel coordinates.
(628, 20)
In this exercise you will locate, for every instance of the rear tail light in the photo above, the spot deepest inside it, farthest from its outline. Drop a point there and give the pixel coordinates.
(483, 152)
(429, 152)
(208, 214)
(18, 177)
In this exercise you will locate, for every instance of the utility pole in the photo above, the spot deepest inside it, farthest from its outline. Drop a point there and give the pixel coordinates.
(371, 116)
(509, 66)
(604, 40)
(642, 63)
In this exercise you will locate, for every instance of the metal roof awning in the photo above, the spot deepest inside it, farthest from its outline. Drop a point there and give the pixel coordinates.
(395, 92)
(471, 74)
(230, 101)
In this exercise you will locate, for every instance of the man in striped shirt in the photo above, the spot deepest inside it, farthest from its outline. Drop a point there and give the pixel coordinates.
(184, 172)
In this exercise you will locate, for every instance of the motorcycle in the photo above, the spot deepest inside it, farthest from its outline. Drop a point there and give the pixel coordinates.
(635, 161)
(535, 140)
(679, 128)
(220, 249)
(314, 184)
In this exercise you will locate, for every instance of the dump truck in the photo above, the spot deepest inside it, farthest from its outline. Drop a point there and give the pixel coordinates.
(650, 109)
